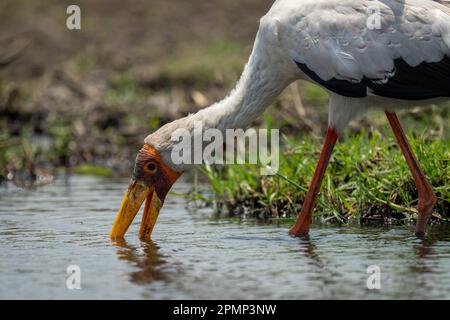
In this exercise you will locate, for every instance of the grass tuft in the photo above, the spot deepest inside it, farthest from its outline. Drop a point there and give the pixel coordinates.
(94, 170)
(218, 63)
(367, 180)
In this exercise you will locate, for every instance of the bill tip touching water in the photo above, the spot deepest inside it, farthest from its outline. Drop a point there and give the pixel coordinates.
(151, 181)
(362, 68)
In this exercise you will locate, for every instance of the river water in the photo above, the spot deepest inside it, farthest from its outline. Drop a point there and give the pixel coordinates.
(197, 255)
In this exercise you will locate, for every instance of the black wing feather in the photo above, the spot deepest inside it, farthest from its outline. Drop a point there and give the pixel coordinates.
(426, 81)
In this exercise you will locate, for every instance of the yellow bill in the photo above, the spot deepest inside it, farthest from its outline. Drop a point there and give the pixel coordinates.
(150, 215)
(132, 201)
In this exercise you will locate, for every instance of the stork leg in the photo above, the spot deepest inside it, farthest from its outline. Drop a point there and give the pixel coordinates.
(301, 226)
(427, 199)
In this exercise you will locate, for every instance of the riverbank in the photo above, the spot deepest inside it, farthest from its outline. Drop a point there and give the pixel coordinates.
(367, 181)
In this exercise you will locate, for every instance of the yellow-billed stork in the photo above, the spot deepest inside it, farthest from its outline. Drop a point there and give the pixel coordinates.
(383, 54)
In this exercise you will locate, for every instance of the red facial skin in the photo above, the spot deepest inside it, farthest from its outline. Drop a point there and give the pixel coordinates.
(151, 169)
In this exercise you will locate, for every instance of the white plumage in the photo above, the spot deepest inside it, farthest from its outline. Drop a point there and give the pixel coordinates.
(336, 39)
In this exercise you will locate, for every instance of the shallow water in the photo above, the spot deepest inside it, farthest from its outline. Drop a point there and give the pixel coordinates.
(194, 254)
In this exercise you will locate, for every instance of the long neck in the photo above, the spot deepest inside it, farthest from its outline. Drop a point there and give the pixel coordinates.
(257, 88)
(266, 74)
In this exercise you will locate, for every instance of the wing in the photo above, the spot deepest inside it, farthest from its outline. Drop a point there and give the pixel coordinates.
(392, 48)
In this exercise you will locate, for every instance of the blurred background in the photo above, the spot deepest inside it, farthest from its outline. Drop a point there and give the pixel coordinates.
(84, 100)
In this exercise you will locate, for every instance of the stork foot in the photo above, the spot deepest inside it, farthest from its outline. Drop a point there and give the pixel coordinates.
(301, 226)
(426, 206)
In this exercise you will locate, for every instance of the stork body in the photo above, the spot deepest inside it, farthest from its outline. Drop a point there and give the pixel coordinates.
(384, 54)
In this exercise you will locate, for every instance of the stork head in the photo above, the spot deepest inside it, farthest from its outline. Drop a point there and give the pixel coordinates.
(153, 176)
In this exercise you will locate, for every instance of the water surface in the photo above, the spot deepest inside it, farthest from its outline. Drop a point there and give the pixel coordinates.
(194, 254)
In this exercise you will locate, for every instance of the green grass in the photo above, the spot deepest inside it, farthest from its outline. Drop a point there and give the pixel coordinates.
(312, 94)
(367, 179)
(123, 90)
(94, 170)
(218, 63)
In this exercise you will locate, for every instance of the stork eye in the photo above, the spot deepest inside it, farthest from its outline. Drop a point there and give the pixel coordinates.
(151, 168)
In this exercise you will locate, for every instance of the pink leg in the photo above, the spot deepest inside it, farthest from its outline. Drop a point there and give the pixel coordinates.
(427, 199)
(301, 226)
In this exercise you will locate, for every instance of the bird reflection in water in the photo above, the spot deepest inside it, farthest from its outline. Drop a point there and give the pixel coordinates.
(323, 273)
(146, 258)
(424, 249)
(423, 252)
(424, 266)
(308, 249)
